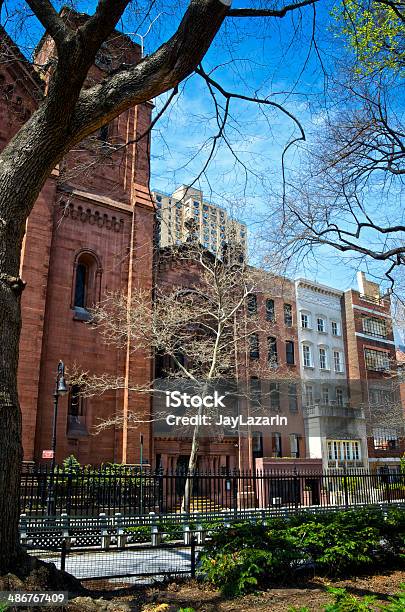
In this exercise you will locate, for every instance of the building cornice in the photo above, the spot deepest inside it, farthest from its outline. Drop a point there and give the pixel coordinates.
(317, 287)
(96, 198)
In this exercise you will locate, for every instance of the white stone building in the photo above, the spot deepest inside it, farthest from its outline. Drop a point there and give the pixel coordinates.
(335, 430)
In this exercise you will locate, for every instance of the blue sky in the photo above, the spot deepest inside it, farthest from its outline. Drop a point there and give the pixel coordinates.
(256, 57)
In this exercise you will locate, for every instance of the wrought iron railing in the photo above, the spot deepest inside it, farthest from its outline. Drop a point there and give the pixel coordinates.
(88, 491)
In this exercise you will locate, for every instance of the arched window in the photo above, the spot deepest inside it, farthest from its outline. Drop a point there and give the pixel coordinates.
(80, 288)
(86, 283)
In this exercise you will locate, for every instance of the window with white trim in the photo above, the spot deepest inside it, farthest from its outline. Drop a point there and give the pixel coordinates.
(306, 356)
(339, 396)
(321, 324)
(305, 320)
(323, 358)
(385, 438)
(325, 395)
(344, 450)
(309, 395)
(338, 361)
(335, 327)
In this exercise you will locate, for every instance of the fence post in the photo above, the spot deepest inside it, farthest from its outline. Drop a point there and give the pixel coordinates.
(186, 534)
(69, 490)
(345, 489)
(235, 494)
(387, 483)
(23, 528)
(154, 531)
(64, 519)
(192, 551)
(121, 535)
(200, 533)
(63, 553)
(105, 537)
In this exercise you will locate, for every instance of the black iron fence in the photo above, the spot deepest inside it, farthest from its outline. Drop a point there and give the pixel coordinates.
(123, 566)
(87, 491)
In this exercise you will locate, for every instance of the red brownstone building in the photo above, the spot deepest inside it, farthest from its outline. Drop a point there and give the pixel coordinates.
(89, 233)
(372, 371)
(273, 390)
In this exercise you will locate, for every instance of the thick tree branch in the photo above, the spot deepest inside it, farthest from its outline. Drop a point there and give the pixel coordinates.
(102, 22)
(51, 21)
(163, 70)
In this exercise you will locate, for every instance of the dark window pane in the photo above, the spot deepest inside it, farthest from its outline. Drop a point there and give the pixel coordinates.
(292, 397)
(103, 134)
(274, 396)
(276, 444)
(288, 315)
(272, 350)
(80, 289)
(270, 316)
(289, 351)
(254, 346)
(252, 305)
(257, 444)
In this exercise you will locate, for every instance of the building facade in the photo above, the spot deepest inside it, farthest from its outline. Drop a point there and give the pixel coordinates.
(210, 223)
(373, 372)
(335, 428)
(90, 232)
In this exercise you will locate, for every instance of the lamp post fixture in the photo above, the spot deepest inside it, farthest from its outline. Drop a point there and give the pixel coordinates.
(61, 388)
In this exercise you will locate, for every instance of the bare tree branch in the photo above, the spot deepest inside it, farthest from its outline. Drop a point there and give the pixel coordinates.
(248, 12)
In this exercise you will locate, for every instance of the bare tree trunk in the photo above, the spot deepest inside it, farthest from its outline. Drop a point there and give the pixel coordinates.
(10, 416)
(23, 171)
(192, 463)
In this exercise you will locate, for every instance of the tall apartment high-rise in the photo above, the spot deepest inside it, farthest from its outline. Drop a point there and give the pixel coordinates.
(186, 212)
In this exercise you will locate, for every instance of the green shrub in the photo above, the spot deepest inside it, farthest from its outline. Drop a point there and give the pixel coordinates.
(397, 603)
(337, 548)
(345, 602)
(237, 572)
(245, 555)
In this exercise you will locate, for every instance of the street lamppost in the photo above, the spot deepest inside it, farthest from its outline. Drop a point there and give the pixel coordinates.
(60, 389)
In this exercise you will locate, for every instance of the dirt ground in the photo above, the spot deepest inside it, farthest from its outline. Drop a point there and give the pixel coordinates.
(311, 593)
